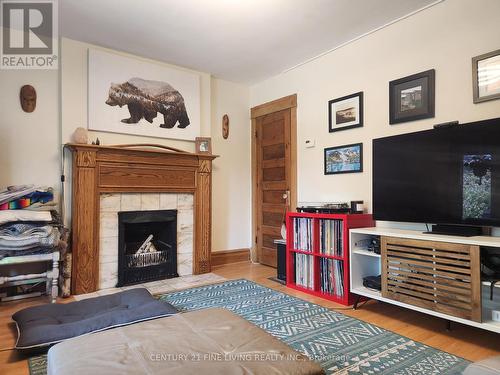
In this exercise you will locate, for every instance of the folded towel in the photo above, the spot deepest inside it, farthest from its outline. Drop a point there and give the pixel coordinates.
(7, 216)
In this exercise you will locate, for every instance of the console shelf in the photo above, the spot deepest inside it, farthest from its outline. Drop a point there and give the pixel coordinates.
(434, 274)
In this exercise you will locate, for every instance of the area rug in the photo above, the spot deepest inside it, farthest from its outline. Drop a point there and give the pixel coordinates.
(341, 344)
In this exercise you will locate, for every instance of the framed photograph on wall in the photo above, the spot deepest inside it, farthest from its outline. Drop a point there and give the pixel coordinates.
(486, 76)
(412, 98)
(345, 112)
(344, 159)
(203, 145)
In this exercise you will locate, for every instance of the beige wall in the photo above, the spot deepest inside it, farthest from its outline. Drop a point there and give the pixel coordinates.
(444, 37)
(74, 98)
(231, 201)
(29, 142)
(232, 195)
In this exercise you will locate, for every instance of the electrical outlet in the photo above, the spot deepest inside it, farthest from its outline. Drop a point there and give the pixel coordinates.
(495, 315)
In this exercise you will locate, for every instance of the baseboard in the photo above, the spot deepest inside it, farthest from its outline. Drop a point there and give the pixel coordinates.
(220, 258)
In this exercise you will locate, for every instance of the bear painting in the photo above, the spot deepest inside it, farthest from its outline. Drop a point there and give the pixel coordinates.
(146, 98)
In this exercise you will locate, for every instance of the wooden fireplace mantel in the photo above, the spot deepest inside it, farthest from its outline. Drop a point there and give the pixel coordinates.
(133, 169)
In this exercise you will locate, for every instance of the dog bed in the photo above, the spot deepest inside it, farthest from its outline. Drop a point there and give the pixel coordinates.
(208, 341)
(42, 326)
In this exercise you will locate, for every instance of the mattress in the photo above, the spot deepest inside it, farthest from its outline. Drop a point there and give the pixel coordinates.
(210, 341)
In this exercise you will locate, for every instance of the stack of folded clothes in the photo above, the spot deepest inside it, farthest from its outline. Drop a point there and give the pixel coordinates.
(27, 197)
(30, 232)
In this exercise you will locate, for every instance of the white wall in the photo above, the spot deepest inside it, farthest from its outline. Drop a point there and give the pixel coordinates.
(444, 37)
(231, 171)
(232, 189)
(29, 142)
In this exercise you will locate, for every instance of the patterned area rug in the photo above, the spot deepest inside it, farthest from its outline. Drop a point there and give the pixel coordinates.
(341, 344)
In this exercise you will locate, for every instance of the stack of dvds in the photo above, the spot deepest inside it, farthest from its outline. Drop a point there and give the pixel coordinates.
(331, 237)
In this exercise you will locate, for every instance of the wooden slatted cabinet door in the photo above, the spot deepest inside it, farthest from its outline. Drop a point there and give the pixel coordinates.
(273, 181)
(439, 276)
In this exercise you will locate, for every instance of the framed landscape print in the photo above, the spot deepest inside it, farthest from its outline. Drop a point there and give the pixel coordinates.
(133, 96)
(345, 112)
(412, 98)
(344, 159)
(486, 76)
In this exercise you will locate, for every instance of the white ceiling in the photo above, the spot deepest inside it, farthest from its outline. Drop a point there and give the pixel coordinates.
(238, 40)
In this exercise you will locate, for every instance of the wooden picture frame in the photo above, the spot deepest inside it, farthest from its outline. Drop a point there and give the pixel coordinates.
(203, 145)
(345, 112)
(334, 159)
(412, 98)
(485, 83)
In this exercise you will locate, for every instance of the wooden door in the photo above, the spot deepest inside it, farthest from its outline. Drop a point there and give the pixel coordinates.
(273, 180)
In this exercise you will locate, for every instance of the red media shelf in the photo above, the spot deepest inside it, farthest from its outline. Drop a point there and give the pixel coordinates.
(313, 234)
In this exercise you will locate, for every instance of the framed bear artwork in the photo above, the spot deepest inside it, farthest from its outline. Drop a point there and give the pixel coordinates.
(133, 96)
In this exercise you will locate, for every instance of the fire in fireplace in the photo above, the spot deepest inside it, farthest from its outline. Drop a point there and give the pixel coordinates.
(147, 246)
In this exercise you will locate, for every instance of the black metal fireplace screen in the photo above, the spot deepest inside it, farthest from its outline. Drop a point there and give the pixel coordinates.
(147, 246)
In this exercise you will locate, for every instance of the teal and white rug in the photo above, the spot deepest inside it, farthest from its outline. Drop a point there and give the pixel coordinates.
(341, 344)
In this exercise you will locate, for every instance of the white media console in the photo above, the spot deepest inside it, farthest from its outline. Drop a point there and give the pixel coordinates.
(433, 267)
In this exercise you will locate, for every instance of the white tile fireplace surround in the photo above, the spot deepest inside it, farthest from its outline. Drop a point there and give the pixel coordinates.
(111, 204)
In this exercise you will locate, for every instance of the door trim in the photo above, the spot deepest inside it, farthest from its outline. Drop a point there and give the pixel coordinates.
(287, 102)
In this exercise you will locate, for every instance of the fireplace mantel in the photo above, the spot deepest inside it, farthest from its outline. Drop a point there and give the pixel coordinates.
(133, 169)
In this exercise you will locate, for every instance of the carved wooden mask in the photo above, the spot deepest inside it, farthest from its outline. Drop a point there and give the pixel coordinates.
(225, 126)
(28, 98)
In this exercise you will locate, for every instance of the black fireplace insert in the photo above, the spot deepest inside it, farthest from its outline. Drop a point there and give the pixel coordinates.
(147, 246)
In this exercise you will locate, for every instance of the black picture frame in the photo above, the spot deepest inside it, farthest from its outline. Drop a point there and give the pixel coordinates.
(328, 171)
(418, 91)
(487, 72)
(334, 124)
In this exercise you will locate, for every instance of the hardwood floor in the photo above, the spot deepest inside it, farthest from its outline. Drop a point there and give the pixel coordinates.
(464, 341)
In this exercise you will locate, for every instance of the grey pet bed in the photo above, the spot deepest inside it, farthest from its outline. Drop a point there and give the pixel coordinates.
(42, 326)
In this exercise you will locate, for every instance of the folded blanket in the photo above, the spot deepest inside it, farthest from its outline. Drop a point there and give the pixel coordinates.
(7, 216)
(42, 196)
(27, 236)
(14, 192)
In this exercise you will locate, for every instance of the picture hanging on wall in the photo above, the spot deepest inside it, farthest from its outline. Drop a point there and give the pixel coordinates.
(132, 96)
(412, 98)
(344, 159)
(486, 76)
(345, 112)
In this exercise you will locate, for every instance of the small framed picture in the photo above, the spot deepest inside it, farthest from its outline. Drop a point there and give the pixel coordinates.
(486, 77)
(344, 159)
(203, 145)
(345, 112)
(412, 98)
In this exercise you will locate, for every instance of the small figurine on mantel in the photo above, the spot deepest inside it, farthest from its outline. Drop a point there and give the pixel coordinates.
(97, 142)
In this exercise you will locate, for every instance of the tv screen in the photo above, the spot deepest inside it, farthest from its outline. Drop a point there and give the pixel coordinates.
(442, 176)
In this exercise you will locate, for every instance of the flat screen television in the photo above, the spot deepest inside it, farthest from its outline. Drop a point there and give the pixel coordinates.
(441, 176)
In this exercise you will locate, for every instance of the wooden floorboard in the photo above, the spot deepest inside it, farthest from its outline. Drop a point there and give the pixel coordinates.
(464, 341)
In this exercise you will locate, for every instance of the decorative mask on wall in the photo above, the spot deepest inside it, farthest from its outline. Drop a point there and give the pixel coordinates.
(225, 126)
(28, 98)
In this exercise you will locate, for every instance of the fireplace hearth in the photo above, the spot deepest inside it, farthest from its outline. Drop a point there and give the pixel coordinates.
(147, 246)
